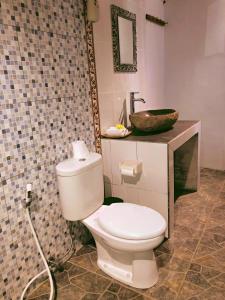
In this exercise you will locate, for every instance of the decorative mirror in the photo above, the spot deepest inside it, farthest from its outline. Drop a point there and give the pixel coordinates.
(124, 40)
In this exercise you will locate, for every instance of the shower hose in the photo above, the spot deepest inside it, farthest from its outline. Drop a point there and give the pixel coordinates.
(52, 296)
(46, 270)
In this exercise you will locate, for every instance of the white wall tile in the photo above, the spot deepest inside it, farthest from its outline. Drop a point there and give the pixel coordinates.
(127, 194)
(107, 161)
(194, 76)
(156, 201)
(104, 66)
(149, 78)
(154, 175)
(120, 151)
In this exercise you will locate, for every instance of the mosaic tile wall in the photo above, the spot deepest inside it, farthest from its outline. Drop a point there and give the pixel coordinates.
(44, 106)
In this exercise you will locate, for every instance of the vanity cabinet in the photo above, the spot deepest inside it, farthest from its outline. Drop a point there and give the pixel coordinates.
(168, 158)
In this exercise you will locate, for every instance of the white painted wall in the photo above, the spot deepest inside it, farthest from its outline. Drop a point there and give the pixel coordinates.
(181, 66)
(113, 87)
(195, 70)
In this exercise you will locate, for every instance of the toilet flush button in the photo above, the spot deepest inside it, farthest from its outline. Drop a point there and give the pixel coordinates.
(82, 159)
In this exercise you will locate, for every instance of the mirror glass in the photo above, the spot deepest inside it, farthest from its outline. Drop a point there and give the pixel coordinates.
(124, 40)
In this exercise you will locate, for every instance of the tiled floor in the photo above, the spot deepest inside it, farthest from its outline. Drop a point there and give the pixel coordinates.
(191, 264)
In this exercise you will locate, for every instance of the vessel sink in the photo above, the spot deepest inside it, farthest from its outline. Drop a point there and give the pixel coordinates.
(154, 120)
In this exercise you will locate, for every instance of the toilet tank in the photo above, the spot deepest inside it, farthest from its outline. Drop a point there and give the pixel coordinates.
(81, 187)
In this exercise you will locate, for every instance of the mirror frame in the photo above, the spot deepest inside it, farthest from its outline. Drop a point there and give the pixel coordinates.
(116, 12)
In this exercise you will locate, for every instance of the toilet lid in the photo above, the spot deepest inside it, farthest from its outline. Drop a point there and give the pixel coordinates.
(132, 221)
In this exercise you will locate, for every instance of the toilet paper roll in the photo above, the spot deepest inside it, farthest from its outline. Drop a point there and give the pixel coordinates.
(130, 168)
(80, 150)
(128, 172)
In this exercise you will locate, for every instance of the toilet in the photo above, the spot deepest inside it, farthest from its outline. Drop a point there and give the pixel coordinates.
(125, 233)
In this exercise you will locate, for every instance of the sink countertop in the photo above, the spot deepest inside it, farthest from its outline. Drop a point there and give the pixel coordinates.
(163, 137)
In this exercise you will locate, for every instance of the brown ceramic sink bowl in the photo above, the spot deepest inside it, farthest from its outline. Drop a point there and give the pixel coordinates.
(154, 120)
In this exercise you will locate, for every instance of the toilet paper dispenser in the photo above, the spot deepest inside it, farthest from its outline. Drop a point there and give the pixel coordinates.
(130, 168)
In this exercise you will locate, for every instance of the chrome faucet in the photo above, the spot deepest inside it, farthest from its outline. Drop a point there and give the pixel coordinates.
(133, 99)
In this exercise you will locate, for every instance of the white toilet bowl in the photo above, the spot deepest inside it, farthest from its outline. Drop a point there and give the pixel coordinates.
(131, 261)
(125, 233)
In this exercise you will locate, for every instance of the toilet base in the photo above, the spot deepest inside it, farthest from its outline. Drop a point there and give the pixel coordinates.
(129, 261)
(137, 269)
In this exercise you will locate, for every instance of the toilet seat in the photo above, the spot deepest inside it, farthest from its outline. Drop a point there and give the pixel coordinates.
(131, 221)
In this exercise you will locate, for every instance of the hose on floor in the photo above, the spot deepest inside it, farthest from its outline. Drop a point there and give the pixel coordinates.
(51, 280)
